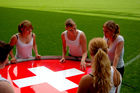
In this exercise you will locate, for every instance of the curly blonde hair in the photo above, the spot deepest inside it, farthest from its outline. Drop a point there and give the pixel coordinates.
(100, 65)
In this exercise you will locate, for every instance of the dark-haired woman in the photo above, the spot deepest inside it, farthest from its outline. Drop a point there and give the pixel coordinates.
(24, 41)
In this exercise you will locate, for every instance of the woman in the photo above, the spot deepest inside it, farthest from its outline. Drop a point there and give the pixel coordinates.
(24, 41)
(115, 45)
(5, 86)
(104, 78)
(76, 41)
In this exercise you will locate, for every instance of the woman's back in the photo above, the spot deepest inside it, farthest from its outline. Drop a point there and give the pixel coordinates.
(86, 83)
(103, 78)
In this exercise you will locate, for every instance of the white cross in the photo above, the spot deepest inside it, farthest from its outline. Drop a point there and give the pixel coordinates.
(56, 79)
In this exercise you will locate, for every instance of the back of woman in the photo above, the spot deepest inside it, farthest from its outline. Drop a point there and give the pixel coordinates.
(103, 78)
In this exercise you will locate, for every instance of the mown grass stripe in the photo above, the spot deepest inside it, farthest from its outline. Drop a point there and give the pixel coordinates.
(132, 60)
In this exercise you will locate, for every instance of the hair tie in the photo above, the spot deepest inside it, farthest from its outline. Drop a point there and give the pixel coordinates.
(99, 48)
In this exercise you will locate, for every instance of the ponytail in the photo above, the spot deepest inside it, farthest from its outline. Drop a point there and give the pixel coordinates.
(19, 28)
(102, 72)
(117, 29)
(101, 67)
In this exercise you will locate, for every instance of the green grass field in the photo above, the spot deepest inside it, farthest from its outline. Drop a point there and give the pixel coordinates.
(48, 17)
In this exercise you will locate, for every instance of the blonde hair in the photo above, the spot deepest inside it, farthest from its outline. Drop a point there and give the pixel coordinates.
(100, 65)
(112, 26)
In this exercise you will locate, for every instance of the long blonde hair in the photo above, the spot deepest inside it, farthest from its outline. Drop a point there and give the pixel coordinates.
(100, 65)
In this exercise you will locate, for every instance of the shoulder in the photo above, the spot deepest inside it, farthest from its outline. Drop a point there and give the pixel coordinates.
(86, 79)
(82, 34)
(13, 40)
(105, 38)
(85, 83)
(14, 36)
(63, 33)
(120, 38)
(5, 87)
(33, 34)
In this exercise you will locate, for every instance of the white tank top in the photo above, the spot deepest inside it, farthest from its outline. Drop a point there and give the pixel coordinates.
(75, 48)
(111, 51)
(23, 50)
(113, 88)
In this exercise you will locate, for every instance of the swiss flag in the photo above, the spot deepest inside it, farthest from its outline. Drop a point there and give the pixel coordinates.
(44, 76)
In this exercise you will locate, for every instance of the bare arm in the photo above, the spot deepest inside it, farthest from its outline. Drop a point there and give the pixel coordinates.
(35, 48)
(5, 87)
(118, 51)
(83, 43)
(64, 49)
(13, 42)
(116, 77)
